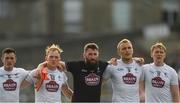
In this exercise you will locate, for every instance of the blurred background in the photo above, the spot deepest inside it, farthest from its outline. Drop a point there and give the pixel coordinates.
(31, 25)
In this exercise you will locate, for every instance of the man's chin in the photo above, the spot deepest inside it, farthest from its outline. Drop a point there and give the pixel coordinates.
(93, 63)
(128, 58)
(9, 67)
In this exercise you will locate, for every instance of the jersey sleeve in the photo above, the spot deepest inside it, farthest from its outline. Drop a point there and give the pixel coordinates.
(174, 78)
(107, 72)
(142, 76)
(103, 65)
(64, 77)
(24, 73)
(31, 77)
(70, 66)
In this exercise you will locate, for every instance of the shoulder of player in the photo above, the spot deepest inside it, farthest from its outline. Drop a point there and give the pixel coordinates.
(101, 62)
(169, 68)
(60, 72)
(113, 67)
(33, 71)
(19, 69)
(1, 68)
(147, 65)
(74, 62)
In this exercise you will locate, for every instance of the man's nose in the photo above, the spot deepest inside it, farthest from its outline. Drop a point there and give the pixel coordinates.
(53, 58)
(159, 53)
(8, 59)
(94, 56)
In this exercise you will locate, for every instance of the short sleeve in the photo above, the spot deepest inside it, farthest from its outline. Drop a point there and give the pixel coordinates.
(64, 77)
(174, 78)
(107, 72)
(142, 76)
(70, 66)
(24, 73)
(30, 77)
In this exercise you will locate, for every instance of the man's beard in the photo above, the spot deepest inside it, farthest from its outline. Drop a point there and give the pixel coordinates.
(92, 65)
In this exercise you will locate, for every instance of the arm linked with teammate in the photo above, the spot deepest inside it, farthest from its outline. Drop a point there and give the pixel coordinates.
(67, 91)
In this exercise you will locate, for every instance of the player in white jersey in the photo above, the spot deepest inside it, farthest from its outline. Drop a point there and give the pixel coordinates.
(161, 80)
(50, 90)
(10, 77)
(126, 76)
(48, 87)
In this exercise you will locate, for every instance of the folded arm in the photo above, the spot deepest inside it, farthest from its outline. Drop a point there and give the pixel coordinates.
(67, 91)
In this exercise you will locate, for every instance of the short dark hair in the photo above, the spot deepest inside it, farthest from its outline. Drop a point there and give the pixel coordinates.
(91, 46)
(8, 50)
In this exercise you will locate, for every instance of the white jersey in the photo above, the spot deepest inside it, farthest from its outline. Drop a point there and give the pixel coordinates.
(158, 81)
(125, 81)
(10, 82)
(50, 90)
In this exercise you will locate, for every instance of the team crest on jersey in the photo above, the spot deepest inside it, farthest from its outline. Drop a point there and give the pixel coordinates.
(92, 79)
(129, 78)
(157, 82)
(52, 86)
(9, 85)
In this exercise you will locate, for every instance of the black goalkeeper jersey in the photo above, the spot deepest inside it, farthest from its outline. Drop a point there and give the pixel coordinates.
(87, 82)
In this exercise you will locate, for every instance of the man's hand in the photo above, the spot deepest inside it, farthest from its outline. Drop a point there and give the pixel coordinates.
(61, 66)
(41, 65)
(113, 61)
(139, 60)
(66, 90)
(38, 70)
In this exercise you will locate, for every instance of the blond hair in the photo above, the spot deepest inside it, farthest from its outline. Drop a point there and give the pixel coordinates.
(122, 41)
(53, 47)
(158, 45)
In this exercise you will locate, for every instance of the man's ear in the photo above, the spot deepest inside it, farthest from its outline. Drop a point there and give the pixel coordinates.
(151, 55)
(2, 59)
(45, 58)
(15, 59)
(83, 55)
(165, 55)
